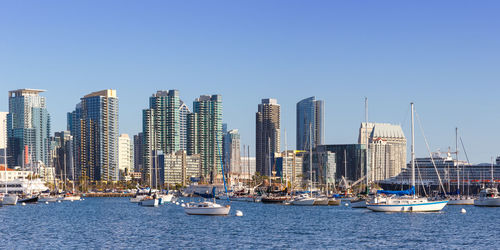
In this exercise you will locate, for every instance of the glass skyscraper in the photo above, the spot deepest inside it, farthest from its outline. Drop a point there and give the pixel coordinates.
(94, 126)
(160, 127)
(205, 134)
(310, 113)
(267, 135)
(28, 128)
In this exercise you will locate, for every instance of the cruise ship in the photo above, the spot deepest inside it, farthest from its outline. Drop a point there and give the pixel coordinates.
(472, 177)
(24, 186)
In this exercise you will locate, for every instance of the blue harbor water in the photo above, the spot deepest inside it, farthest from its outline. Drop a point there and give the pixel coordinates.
(117, 223)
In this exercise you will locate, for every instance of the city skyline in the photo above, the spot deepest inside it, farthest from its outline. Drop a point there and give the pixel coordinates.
(443, 58)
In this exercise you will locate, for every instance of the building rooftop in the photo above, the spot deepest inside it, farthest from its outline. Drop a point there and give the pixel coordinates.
(104, 93)
(386, 130)
(22, 92)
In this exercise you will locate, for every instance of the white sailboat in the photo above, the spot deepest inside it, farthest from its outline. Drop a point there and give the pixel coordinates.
(7, 199)
(307, 199)
(459, 199)
(408, 203)
(209, 207)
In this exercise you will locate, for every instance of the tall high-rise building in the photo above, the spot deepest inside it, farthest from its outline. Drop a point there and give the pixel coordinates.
(183, 112)
(233, 152)
(267, 135)
(387, 149)
(3, 135)
(205, 134)
(310, 117)
(94, 126)
(28, 127)
(138, 152)
(125, 155)
(161, 127)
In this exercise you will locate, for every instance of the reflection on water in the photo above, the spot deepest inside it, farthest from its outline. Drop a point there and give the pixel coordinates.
(117, 223)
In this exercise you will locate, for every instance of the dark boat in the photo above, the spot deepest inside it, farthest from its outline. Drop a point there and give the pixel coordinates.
(273, 199)
(33, 199)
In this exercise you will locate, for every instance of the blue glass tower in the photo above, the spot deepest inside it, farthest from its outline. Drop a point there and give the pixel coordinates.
(28, 128)
(310, 112)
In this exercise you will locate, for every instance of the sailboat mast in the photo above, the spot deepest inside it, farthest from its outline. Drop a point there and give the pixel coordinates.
(367, 149)
(285, 174)
(412, 149)
(458, 163)
(310, 160)
(5, 169)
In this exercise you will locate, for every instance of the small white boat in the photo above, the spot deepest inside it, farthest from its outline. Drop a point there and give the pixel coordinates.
(461, 200)
(488, 198)
(206, 208)
(9, 199)
(149, 202)
(303, 200)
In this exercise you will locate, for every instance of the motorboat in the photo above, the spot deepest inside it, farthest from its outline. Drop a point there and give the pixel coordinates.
(303, 200)
(488, 198)
(206, 208)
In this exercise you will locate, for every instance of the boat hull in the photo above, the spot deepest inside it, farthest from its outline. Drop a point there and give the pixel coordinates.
(273, 199)
(71, 198)
(461, 201)
(435, 206)
(493, 202)
(48, 199)
(334, 202)
(29, 200)
(303, 202)
(320, 202)
(358, 204)
(9, 200)
(149, 203)
(223, 210)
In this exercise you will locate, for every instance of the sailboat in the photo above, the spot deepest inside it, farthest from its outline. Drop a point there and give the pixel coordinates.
(7, 199)
(307, 199)
(488, 197)
(361, 202)
(459, 199)
(209, 207)
(408, 202)
(152, 200)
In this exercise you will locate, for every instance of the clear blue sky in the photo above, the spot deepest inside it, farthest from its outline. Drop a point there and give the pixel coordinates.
(443, 55)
